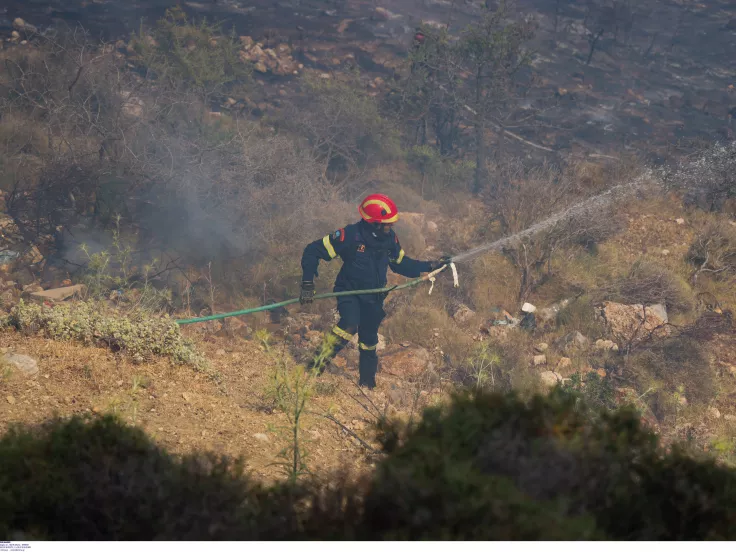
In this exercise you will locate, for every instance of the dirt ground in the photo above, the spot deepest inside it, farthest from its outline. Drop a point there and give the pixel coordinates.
(186, 411)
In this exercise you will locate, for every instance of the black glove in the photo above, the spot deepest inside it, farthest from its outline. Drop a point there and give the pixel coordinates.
(434, 265)
(307, 294)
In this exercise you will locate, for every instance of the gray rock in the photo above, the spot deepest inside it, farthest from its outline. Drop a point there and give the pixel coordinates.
(549, 379)
(23, 363)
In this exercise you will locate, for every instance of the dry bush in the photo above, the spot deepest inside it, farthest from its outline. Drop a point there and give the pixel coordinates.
(543, 198)
(713, 251)
(649, 283)
(415, 318)
(665, 367)
(490, 281)
(709, 180)
(580, 315)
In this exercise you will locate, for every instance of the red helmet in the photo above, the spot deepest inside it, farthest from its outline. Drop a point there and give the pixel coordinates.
(378, 208)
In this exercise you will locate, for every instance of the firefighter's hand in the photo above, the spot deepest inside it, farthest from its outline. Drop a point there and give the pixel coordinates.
(307, 294)
(439, 263)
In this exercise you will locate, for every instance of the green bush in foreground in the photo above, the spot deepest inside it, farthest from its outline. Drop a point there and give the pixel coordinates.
(487, 467)
(139, 335)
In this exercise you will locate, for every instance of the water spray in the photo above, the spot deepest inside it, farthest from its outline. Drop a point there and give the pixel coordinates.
(614, 194)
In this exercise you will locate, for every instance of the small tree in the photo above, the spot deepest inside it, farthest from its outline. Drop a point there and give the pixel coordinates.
(492, 52)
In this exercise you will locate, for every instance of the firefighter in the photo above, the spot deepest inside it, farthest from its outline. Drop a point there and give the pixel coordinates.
(367, 249)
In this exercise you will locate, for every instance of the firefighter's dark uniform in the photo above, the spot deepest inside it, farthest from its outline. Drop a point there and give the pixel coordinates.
(366, 254)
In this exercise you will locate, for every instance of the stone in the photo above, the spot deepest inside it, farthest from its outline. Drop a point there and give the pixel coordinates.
(634, 323)
(405, 361)
(606, 345)
(32, 288)
(540, 360)
(541, 347)
(665, 252)
(549, 379)
(246, 42)
(381, 14)
(260, 67)
(680, 221)
(528, 307)
(60, 294)
(601, 372)
(713, 413)
(186, 396)
(261, 437)
(563, 365)
(10, 399)
(572, 341)
(22, 363)
(463, 314)
(729, 418)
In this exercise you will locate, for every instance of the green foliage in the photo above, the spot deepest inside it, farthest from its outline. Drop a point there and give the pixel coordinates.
(189, 54)
(439, 174)
(675, 365)
(343, 123)
(138, 335)
(599, 393)
(484, 467)
(114, 271)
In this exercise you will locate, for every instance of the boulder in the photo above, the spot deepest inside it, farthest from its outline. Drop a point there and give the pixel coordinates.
(549, 379)
(564, 366)
(713, 413)
(381, 14)
(574, 341)
(59, 294)
(405, 361)
(606, 345)
(22, 363)
(634, 323)
(463, 314)
(539, 360)
(528, 307)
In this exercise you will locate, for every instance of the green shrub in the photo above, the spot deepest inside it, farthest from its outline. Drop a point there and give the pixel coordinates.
(137, 335)
(486, 466)
(669, 365)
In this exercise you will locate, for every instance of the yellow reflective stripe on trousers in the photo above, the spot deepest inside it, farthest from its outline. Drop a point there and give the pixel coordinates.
(339, 332)
(328, 246)
(367, 347)
(401, 257)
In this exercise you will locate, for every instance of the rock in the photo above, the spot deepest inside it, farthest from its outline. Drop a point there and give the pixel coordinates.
(20, 25)
(528, 307)
(261, 437)
(32, 255)
(325, 76)
(32, 288)
(633, 323)
(541, 347)
(713, 413)
(680, 221)
(601, 372)
(260, 67)
(246, 42)
(59, 294)
(540, 360)
(221, 352)
(10, 399)
(463, 314)
(186, 396)
(549, 379)
(572, 342)
(563, 364)
(606, 345)
(665, 252)
(15, 36)
(729, 418)
(22, 363)
(405, 361)
(381, 14)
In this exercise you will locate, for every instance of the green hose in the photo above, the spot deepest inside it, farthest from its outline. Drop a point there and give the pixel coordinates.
(322, 296)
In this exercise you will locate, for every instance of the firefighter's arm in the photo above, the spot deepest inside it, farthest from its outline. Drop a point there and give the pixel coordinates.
(406, 266)
(324, 249)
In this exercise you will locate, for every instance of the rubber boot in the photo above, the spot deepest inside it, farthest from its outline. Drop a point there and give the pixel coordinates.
(368, 367)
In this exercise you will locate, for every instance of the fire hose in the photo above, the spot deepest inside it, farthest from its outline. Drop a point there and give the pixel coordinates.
(427, 277)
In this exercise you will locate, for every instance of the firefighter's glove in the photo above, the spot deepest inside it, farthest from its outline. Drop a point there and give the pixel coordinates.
(307, 295)
(435, 265)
